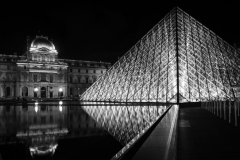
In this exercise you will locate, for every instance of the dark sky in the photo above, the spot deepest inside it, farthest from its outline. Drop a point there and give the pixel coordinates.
(104, 31)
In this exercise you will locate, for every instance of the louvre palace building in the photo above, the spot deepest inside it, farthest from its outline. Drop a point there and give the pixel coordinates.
(39, 73)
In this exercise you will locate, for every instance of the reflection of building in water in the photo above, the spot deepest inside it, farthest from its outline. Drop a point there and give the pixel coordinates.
(124, 121)
(40, 73)
(42, 125)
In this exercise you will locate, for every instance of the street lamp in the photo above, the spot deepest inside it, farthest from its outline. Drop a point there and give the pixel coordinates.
(60, 92)
(35, 92)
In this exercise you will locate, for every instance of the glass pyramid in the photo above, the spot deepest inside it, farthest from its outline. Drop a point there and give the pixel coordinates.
(178, 60)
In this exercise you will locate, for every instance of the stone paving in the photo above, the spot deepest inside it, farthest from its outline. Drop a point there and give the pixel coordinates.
(203, 135)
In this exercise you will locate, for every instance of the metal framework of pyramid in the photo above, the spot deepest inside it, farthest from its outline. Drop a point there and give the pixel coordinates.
(178, 60)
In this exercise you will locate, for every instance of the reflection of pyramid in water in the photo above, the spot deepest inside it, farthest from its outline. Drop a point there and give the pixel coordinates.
(124, 121)
(178, 60)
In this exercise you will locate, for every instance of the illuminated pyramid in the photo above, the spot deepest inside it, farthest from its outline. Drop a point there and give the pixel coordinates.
(178, 60)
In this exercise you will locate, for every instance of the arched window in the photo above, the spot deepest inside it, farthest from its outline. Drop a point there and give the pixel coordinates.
(94, 78)
(8, 91)
(87, 79)
(43, 92)
(90, 80)
(24, 91)
(83, 80)
(71, 91)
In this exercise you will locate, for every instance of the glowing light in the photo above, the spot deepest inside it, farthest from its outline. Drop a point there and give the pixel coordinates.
(60, 108)
(60, 89)
(35, 89)
(36, 103)
(60, 102)
(36, 108)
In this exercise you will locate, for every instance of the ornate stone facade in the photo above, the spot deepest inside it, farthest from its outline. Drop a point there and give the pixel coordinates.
(40, 74)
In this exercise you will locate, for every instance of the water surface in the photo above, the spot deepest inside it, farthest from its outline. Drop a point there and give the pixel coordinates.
(50, 130)
(71, 130)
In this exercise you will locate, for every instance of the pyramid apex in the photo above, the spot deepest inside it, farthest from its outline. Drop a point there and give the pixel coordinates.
(176, 8)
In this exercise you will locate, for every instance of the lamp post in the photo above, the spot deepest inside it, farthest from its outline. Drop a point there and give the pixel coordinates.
(35, 92)
(60, 92)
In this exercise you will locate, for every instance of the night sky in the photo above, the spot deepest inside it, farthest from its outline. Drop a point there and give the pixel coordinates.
(104, 31)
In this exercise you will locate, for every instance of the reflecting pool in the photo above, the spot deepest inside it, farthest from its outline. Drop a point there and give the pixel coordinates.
(70, 129)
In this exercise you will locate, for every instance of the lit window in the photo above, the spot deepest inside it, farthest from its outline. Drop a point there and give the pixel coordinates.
(8, 91)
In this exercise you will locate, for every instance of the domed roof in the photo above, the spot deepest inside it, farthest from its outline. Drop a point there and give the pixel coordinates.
(42, 43)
